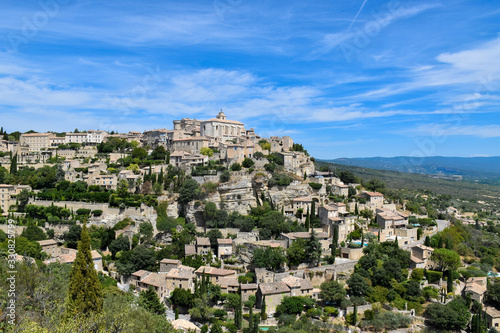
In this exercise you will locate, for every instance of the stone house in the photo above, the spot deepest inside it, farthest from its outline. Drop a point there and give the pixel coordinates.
(157, 282)
(374, 199)
(50, 247)
(247, 290)
(224, 248)
(492, 317)
(420, 257)
(351, 253)
(391, 219)
(202, 245)
(292, 236)
(214, 274)
(298, 286)
(476, 287)
(273, 293)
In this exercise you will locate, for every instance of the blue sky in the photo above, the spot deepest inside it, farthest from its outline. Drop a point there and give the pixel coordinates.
(345, 78)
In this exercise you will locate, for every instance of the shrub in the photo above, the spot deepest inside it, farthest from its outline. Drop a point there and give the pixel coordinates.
(247, 162)
(433, 276)
(225, 176)
(236, 167)
(316, 186)
(83, 211)
(97, 212)
(281, 179)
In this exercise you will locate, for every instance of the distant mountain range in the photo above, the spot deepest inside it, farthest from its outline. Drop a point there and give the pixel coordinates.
(470, 168)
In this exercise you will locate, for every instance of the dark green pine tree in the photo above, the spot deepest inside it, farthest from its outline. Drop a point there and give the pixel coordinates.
(355, 314)
(427, 241)
(356, 210)
(149, 300)
(378, 236)
(313, 214)
(160, 176)
(84, 292)
(362, 238)
(238, 315)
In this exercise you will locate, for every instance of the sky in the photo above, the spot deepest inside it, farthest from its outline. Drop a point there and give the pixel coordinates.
(345, 78)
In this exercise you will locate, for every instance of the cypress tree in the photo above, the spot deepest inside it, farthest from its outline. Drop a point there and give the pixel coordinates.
(84, 292)
(356, 210)
(378, 236)
(355, 315)
(427, 241)
(362, 238)
(263, 313)
(13, 165)
(250, 320)
(308, 219)
(149, 300)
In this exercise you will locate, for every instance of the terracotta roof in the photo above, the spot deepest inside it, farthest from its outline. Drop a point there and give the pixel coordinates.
(475, 288)
(293, 281)
(423, 247)
(231, 281)
(154, 279)
(416, 260)
(140, 273)
(203, 241)
(222, 241)
(249, 286)
(189, 250)
(47, 242)
(183, 273)
(183, 324)
(273, 288)
(374, 194)
(215, 271)
(170, 261)
(37, 134)
(492, 312)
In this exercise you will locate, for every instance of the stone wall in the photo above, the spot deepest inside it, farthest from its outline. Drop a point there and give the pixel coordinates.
(75, 205)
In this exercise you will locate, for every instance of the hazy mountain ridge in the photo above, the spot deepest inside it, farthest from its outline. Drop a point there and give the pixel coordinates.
(472, 168)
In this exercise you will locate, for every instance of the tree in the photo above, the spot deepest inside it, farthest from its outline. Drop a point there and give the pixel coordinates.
(122, 243)
(182, 297)
(313, 249)
(22, 199)
(149, 300)
(358, 286)
(84, 291)
(235, 167)
(269, 258)
(225, 176)
(139, 153)
(13, 164)
(247, 162)
(33, 233)
(159, 153)
(308, 220)
(446, 259)
(73, 236)
(453, 316)
(295, 253)
(207, 151)
(419, 233)
(427, 241)
(332, 291)
(291, 305)
(188, 191)
(210, 212)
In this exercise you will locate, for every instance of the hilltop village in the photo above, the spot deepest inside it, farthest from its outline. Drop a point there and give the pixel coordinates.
(225, 230)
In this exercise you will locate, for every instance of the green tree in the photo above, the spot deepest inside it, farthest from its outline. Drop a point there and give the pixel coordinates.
(313, 249)
(207, 151)
(13, 164)
(269, 258)
(84, 292)
(73, 236)
(295, 253)
(149, 300)
(189, 191)
(33, 233)
(332, 291)
(182, 297)
(122, 243)
(247, 162)
(225, 176)
(446, 259)
(358, 286)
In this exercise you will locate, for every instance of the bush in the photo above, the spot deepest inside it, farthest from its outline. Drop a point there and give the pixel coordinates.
(433, 276)
(236, 167)
(83, 211)
(281, 179)
(247, 162)
(97, 212)
(316, 186)
(225, 176)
